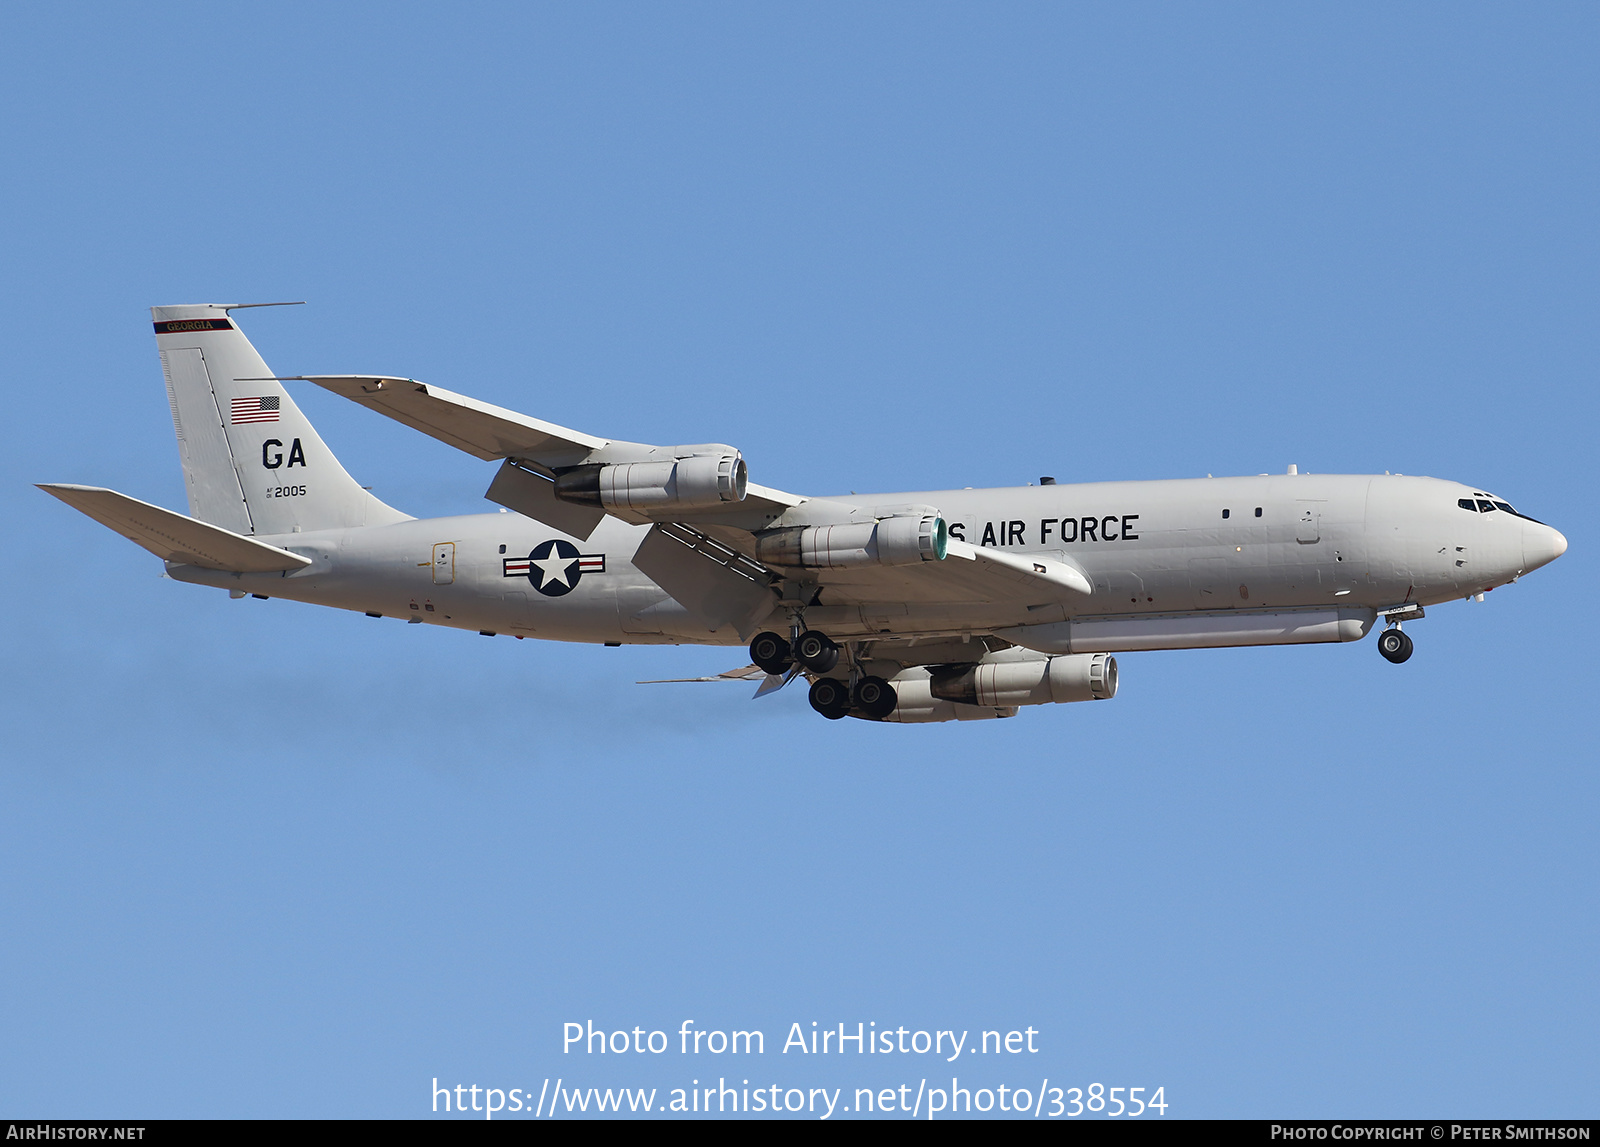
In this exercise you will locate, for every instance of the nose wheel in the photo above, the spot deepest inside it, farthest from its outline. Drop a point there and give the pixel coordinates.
(1394, 645)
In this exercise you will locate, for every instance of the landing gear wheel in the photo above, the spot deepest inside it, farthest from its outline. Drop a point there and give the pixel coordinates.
(1394, 645)
(816, 652)
(874, 698)
(771, 653)
(830, 698)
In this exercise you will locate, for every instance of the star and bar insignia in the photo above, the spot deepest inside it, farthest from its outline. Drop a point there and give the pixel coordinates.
(554, 567)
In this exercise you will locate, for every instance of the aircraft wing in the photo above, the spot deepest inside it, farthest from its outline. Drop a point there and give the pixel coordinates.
(534, 450)
(968, 574)
(480, 428)
(530, 444)
(1026, 570)
(176, 537)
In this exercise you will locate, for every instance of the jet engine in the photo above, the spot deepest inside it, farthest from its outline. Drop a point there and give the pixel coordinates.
(690, 483)
(915, 703)
(1070, 677)
(998, 685)
(900, 540)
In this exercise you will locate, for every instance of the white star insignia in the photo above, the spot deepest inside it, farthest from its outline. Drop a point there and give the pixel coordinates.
(555, 569)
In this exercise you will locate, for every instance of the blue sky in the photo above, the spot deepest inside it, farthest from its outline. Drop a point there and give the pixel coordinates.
(264, 859)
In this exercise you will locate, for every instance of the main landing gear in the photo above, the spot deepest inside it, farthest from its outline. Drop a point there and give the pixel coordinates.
(870, 697)
(775, 653)
(874, 698)
(1394, 645)
(770, 652)
(831, 698)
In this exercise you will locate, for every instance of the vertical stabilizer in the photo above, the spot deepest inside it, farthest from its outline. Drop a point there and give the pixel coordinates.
(252, 463)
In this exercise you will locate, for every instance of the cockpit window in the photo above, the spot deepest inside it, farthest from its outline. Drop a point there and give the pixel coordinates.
(1508, 508)
(1490, 505)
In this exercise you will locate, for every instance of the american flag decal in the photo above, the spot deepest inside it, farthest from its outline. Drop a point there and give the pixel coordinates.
(263, 409)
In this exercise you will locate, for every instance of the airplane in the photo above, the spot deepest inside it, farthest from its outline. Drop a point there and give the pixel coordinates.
(908, 607)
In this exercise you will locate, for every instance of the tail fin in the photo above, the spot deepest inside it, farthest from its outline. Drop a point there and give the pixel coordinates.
(252, 463)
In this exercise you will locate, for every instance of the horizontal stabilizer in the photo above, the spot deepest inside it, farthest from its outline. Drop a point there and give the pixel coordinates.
(481, 429)
(175, 537)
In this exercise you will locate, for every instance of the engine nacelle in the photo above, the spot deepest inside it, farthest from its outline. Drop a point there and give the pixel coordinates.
(1037, 681)
(895, 541)
(915, 703)
(690, 483)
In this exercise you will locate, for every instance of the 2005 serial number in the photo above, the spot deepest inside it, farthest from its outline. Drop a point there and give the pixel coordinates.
(286, 491)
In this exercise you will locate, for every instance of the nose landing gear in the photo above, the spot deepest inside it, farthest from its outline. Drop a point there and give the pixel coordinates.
(1394, 645)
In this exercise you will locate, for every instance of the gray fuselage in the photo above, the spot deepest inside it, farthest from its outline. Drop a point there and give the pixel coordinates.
(1175, 547)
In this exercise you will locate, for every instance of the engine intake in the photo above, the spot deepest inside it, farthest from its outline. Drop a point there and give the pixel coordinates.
(894, 541)
(689, 483)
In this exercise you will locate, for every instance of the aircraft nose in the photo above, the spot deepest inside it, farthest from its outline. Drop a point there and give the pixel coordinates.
(1541, 545)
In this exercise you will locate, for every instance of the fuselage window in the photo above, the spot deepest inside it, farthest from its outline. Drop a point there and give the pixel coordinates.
(1224, 513)
(1467, 504)
(1258, 511)
(1485, 506)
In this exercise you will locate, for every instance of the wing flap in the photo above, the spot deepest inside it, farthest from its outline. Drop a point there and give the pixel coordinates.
(711, 582)
(175, 537)
(535, 497)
